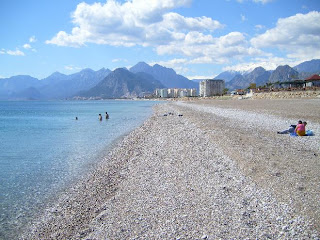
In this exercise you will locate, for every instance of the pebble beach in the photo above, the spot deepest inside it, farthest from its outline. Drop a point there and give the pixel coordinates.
(205, 169)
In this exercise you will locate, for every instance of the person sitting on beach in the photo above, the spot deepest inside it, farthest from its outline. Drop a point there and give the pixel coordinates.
(291, 129)
(107, 115)
(100, 117)
(301, 129)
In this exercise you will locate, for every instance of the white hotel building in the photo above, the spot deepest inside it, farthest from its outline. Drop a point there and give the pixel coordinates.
(176, 92)
(211, 87)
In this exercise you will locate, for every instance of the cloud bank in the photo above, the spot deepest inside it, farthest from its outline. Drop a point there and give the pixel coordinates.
(135, 23)
(299, 35)
(131, 23)
(156, 25)
(16, 52)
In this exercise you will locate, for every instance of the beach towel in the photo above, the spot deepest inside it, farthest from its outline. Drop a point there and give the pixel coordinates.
(293, 134)
(308, 133)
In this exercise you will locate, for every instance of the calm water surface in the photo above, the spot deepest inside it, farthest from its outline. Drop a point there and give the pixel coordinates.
(43, 149)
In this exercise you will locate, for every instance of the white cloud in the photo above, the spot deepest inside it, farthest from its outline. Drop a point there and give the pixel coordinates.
(17, 52)
(173, 63)
(32, 39)
(68, 67)
(71, 68)
(298, 35)
(63, 39)
(197, 38)
(206, 47)
(259, 27)
(27, 46)
(256, 1)
(232, 39)
(176, 22)
(243, 18)
(200, 60)
(191, 77)
(262, 1)
(269, 63)
(132, 23)
(119, 60)
(178, 64)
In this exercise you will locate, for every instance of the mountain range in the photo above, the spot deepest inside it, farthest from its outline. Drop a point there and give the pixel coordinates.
(104, 83)
(167, 76)
(141, 78)
(261, 77)
(56, 86)
(123, 83)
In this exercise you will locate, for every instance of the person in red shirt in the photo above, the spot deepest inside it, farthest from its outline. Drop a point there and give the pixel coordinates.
(301, 129)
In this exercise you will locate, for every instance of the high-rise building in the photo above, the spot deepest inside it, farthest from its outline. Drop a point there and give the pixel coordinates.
(211, 87)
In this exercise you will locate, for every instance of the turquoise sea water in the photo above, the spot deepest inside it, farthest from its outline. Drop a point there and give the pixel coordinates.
(43, 149)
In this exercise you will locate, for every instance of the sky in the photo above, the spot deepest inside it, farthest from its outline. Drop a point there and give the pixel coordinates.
(197, 38)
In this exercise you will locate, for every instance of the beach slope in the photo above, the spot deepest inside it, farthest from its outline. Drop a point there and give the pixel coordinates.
(219, 171)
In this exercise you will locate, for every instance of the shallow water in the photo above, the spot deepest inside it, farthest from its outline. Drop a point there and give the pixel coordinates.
(43, 149)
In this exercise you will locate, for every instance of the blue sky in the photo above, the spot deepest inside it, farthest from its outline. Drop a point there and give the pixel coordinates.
(197, 38)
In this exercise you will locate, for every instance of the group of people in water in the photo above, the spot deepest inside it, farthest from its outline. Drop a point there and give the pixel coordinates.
(299, 129)
(100, 116)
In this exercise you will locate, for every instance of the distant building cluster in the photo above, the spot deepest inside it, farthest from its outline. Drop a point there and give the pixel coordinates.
(176, 92)
(211, 87)
(208, 88)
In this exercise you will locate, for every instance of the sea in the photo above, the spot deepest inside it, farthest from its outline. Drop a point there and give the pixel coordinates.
(44, 149)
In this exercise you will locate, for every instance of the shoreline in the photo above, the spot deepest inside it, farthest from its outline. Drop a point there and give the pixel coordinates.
(73, 191)
(179, 177)
(32, 181)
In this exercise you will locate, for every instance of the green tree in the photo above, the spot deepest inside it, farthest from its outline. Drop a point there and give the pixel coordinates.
(253, 86)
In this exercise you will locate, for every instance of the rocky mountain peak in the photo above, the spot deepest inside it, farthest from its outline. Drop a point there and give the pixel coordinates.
(283, 73)
(141, 67)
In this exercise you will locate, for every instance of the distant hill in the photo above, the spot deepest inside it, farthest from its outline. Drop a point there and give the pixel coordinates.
(167, 76)
(56, 86)
(237, 82)
(259, 76)
(228, 75)
(54, 78)
(308, 66)
(282, 74)
(141, 67)
(10, 87)
(69, 85)
(122, 83)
